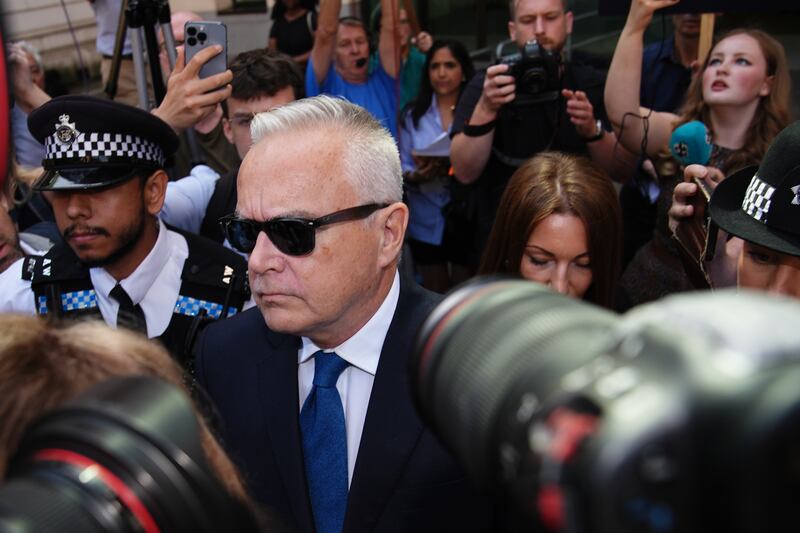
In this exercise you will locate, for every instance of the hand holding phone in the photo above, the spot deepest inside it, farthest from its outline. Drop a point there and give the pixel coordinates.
(695, 233)
(200, 35)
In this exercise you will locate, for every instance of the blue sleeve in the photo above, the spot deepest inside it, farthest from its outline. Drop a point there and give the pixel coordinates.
(407, 142)
(312, 87)
(390, 88)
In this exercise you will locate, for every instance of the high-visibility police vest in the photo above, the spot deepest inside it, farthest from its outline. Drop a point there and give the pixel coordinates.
(213, 286)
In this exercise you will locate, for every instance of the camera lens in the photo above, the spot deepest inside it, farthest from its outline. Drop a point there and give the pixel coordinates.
(202, 36)
(191, 30)
(191, 41)
(497, 339)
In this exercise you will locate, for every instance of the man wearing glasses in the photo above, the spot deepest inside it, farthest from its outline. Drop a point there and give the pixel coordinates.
(312, 386)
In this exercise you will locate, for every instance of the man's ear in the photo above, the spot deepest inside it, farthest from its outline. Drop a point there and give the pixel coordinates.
(227, 129)
(155, 190)
(568, 20)
(512, 30)
(395, 221)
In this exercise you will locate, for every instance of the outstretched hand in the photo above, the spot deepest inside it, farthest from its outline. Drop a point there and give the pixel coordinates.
(423, 41)
(641, 12)
(581, 112)
(189, 98)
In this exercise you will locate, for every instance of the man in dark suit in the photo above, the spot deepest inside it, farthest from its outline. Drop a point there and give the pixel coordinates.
(320, 212)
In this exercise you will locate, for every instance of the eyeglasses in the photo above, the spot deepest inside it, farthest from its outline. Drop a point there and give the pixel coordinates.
(291, 235)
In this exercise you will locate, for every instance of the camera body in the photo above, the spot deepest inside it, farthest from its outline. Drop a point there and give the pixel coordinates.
(535, 70)
(678, 416)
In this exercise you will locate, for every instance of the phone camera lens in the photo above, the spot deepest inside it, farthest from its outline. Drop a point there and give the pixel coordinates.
(191, 41)
(191, 30)
(202, 36)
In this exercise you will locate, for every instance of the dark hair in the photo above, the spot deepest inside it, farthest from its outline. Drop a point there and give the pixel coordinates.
(279, 9)
(554, 182)
(264, 72)
(423, 101)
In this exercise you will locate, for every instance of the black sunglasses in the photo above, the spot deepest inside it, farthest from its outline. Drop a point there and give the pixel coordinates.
(291, 235)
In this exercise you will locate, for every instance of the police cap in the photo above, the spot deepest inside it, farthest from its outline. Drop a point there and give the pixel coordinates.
(92, 142)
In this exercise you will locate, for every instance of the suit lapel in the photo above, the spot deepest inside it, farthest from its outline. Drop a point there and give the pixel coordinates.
(392, 427)
(278, 381)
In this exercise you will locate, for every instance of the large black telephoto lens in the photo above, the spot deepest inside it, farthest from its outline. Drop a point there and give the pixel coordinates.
(681, 416)
(124, 457)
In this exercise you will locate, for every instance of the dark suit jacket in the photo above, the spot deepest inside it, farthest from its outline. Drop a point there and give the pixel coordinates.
(404, 480)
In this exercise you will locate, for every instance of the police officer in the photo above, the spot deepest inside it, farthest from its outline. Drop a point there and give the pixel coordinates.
(104, 176)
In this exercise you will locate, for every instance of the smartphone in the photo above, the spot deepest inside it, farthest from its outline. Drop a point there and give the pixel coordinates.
(202, 34)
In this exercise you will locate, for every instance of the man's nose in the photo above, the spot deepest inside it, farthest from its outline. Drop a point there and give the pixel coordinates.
(538, 26)
(78, 206)
(265, 256)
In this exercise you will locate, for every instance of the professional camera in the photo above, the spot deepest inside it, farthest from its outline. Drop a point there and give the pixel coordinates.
(124, 457)
(682, 415)
(535, 71)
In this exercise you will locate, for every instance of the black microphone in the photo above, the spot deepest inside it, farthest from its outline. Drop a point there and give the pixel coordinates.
(690, 143)
(361, 61)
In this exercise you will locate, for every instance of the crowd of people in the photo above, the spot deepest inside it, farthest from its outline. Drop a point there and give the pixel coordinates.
(342, 171)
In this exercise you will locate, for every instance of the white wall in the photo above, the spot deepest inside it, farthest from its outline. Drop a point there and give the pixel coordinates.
(43, 23)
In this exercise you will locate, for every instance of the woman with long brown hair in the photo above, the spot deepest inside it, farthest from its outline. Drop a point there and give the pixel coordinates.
(559, 224)
(741, 94)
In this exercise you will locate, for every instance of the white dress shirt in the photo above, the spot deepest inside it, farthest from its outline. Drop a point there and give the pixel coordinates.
(362, 351)
(186, 200)
(154, 285)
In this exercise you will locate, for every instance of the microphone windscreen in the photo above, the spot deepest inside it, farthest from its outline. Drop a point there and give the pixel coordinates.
(690, 143)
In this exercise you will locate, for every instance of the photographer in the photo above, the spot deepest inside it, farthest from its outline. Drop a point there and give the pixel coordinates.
(495, 131)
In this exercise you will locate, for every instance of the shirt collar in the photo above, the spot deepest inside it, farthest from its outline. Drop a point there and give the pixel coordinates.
(139, 282)
(363, 350)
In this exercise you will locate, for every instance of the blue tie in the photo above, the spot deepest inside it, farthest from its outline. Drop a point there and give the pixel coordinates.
(325, 444)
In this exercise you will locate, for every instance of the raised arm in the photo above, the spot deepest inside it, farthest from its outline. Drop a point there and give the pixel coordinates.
(389, 40)
(623, 82)
(325, 38)
(470, 153)
(189, 98)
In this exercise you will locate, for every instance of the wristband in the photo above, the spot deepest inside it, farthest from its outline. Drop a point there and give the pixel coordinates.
(597, 136)
(478, 131)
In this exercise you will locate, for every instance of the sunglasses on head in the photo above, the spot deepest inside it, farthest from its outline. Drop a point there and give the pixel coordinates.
(291, 235)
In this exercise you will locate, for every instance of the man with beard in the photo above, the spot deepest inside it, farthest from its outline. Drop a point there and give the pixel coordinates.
(104, 176)
(501, 121)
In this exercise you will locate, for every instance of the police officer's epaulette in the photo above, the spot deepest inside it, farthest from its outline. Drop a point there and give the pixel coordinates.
(59, 264)
(213, 265)
(61, 284)
(213, 280)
